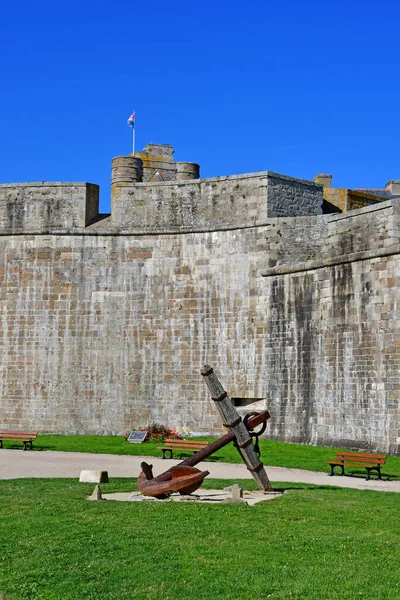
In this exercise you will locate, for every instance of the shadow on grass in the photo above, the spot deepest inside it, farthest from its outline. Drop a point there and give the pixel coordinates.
(16, 446)
(361, 475)
(286, 487)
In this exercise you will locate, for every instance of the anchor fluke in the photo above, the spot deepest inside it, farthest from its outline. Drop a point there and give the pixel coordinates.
(182, 479)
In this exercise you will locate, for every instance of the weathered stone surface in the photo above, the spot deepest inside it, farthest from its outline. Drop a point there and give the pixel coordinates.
(89, 476)
(215, 497)
(47, 207)
(210, 204)
(236, 491)
(104, 327)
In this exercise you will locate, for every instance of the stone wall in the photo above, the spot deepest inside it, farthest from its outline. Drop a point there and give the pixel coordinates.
(211, 204)
(102, 333)
(42, 207)
(333, 334)
(105, 328)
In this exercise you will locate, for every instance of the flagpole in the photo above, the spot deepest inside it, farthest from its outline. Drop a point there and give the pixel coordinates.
(131, 123)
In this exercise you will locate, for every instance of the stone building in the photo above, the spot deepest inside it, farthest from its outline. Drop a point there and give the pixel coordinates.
(288, 288)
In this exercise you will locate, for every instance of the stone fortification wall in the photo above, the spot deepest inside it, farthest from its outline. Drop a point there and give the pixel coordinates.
(215, 203)
(100, 333)
(333, 331)
(297, 241)
(42, 207)
(106, 327)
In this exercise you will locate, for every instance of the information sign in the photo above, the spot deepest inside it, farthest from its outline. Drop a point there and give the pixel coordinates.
(136, 437)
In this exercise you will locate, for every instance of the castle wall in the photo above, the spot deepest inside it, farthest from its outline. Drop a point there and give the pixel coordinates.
(105, 324)
(215, 203)
(332, 337)
(103, 331)
(41, 207)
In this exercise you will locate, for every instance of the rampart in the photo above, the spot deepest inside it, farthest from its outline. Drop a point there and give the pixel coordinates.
(210, 204)
(106, 321)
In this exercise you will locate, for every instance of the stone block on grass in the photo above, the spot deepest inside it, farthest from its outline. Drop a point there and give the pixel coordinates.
(93, 477)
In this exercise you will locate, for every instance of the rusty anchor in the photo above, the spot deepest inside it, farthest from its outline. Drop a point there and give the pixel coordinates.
(184, 477)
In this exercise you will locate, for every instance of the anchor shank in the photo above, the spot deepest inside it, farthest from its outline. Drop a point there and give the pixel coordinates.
(232, 419)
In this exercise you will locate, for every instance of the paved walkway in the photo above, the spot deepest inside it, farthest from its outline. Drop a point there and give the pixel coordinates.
(17, 463)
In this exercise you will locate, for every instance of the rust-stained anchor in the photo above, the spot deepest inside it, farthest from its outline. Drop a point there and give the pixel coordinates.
(185, 478)
(182, 479)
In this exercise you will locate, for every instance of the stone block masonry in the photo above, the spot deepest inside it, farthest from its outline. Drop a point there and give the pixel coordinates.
(42, 207)
(209, 204)
(105, 323)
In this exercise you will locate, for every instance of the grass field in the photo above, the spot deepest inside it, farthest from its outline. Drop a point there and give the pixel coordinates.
(279, 454)
(311, 543)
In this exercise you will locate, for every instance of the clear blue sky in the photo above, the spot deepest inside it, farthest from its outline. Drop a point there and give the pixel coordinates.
(295, 87)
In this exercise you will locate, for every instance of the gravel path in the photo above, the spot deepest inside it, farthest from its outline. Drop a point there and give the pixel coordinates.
(15, 464)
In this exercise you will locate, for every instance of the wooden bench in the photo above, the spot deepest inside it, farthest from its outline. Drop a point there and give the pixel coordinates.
(27, 437)
(171, 444)
(370, 462)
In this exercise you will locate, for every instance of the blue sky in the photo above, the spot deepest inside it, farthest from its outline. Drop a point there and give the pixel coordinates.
(295, 87)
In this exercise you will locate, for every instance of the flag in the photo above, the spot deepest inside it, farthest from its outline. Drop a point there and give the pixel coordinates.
(131, 120)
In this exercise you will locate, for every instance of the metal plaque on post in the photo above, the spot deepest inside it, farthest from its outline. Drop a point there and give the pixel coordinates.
(137, 437)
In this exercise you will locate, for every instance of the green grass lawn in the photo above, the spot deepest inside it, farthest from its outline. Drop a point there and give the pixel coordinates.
(279, 454)
(314, 543)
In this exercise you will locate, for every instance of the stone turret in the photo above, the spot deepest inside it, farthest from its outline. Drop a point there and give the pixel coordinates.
(126, 169)
(154, 164)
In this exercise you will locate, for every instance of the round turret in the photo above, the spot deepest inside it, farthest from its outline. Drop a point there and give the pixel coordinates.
(126, 169)
(187, 170)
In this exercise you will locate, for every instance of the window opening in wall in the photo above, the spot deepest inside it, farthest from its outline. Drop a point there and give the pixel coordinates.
(245, 401)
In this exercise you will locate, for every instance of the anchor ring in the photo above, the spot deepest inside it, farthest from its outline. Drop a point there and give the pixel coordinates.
(263, 425)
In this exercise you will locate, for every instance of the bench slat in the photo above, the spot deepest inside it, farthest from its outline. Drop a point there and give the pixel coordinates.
(186, 444)
(363, 465)
(17, 435)
(360, 457)
(182, 446)
(18, 432)
(360, 454)
(174, 441)
(353, 459)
